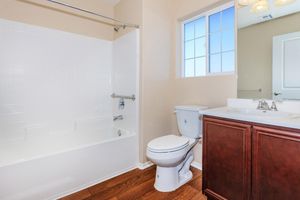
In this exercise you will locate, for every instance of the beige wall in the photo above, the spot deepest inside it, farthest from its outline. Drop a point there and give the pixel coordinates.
(211, 91)
(130, 11)
(156, 89)
(160, 89)
(42, 13)
(156, 85)
(255, 54)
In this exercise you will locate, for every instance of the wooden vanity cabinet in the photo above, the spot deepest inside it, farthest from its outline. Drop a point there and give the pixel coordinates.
(226, 159)
(275, 164)
(244, 161)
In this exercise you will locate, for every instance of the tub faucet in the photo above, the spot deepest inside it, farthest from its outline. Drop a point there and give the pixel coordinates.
(119, 117)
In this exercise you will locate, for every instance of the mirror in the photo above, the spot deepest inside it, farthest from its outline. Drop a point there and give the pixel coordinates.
(268, 43)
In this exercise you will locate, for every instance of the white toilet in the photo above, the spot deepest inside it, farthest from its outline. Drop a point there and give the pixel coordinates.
(173, 154)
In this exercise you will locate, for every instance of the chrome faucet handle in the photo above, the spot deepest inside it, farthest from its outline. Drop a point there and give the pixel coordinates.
(274, 107)
(265, 105)
(260, 104)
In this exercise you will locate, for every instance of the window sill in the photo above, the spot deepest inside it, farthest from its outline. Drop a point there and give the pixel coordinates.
(209, 75)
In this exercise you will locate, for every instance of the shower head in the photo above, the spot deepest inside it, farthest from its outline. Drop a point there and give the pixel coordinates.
(117, 27)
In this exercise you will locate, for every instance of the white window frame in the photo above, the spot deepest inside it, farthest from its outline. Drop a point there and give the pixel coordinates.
(206, 15)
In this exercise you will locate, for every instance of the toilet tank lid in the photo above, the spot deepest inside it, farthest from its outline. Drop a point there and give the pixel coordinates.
(191, 107)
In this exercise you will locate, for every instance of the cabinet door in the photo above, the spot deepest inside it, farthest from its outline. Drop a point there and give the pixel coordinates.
(276, 164)
(226, 159)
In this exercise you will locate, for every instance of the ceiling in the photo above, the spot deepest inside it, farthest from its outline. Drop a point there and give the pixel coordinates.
(110, 2)
(247, 18)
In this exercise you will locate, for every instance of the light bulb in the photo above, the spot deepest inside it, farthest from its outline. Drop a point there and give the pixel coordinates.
(246, 2)
(283, 2)
(260, 6)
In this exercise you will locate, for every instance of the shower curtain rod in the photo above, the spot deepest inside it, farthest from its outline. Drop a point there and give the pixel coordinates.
(117, 26)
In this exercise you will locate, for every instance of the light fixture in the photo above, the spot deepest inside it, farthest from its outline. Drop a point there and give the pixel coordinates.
(260, 6)
(283, 2)
(246, 2)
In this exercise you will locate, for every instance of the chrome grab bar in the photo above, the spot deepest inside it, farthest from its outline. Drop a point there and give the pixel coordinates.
(132, 97)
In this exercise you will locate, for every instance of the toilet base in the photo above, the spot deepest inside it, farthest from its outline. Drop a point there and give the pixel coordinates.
(168, 179)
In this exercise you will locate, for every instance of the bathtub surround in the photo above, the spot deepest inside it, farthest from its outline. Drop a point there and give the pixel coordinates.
(125, 79)
(49, 89)
(56, 108)
(70, 171)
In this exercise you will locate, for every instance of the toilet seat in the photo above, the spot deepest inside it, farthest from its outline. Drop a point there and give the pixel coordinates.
(169, 143)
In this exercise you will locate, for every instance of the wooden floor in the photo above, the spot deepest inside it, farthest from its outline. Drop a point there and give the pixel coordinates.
(138, 185)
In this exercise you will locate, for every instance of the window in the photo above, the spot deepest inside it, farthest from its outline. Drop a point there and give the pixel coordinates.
(209, 43)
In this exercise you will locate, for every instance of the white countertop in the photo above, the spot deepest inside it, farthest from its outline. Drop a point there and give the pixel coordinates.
(250, 114)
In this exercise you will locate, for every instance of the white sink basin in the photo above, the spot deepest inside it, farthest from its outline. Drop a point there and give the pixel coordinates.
(258, 113)
(245, 110)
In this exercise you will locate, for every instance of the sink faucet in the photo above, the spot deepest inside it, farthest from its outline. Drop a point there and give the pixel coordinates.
(119, 117)
(263, 105)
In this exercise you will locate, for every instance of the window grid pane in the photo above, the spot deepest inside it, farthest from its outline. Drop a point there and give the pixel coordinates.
(189, 49)
(221, 44)
(194, 46)
(189, 32)
(222, 48)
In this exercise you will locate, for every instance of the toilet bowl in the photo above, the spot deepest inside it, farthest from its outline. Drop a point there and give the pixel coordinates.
(173, 154)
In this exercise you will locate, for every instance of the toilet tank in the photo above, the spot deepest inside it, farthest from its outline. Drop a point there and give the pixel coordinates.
(188, 121)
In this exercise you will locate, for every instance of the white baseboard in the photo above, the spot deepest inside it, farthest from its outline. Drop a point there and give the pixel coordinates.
(144, 165)
(197, 165)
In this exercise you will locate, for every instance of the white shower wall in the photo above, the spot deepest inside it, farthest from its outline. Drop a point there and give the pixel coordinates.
(51, 82)
(125, 78)
(54, 83)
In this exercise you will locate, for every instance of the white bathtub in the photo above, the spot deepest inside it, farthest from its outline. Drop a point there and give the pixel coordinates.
(49, 167)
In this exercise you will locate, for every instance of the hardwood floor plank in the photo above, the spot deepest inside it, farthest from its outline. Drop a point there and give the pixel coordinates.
(118, 180)
(138, 191)
(196, 172)
(199, 196)
(185, 192)
(81, 195)
(114, 181)
(196, 183)
(124, 186)
(139, 185)
(114, 198)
